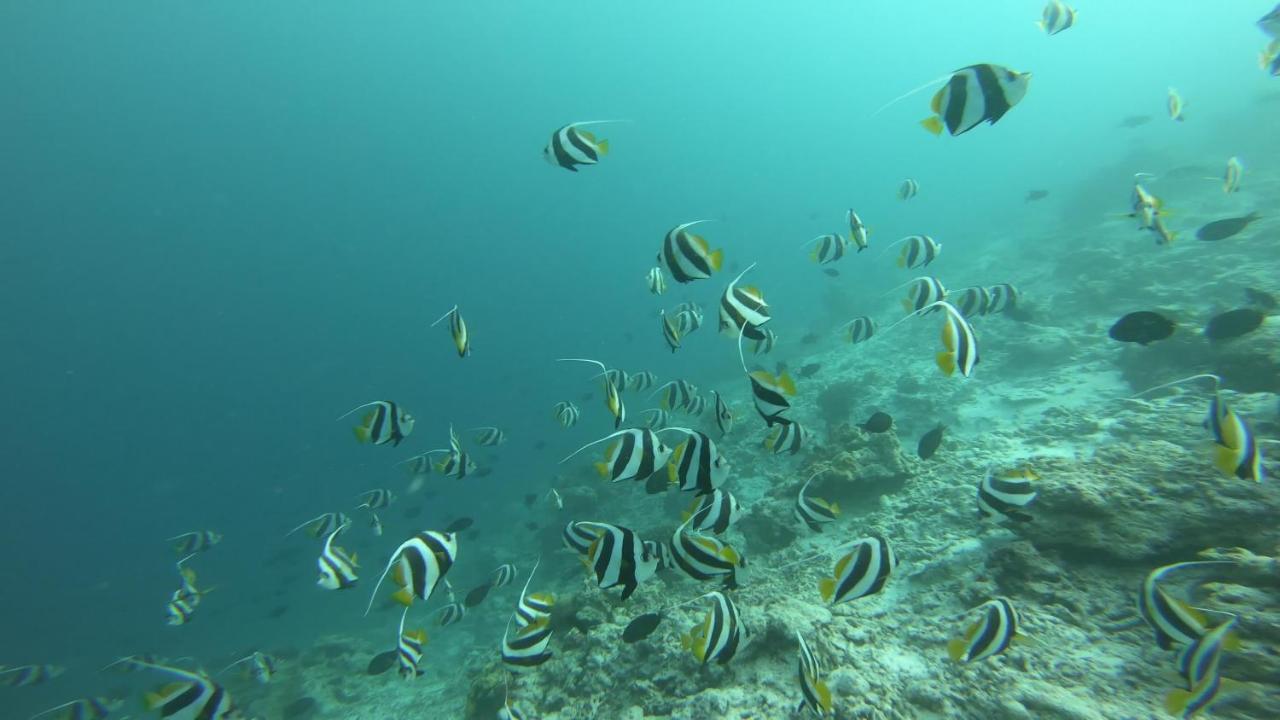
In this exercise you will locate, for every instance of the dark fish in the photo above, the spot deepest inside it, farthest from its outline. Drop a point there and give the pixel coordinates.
(1233, 324)
(1134, 121)
(657, 483)
(1223, 229)
(382, 662)
(1034, 195)
(586, 396)
(809, 369)
(540, 445)
(477, 595)
(1260, 298)
(459, 525)
(832, 272)
(641, 628)
(809, 339)
(278, 611)
(530, 499)
(928, 444)
(878, 422)
(531, 525)
(1142, 327)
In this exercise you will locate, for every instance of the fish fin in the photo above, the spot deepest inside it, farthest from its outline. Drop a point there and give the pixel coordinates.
(933, 124)
(786, 384)
(602, 147)
(902, 261)
(835, 508)
(716, 259)
(824, 695)
(955, 649)
(1232, 642)
(947, 363)
(1176, 701)
(1224, 458)
(813, 254)
(403, 596)
(603, 469)
(906, 305)
(935, 103)
(827, 588)
(730, 554)
(361, 433)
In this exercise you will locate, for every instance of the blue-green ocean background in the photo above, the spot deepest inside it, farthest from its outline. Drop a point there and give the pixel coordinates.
(224, 224)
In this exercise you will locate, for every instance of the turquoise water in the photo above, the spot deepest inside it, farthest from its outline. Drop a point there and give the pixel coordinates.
(225, 224)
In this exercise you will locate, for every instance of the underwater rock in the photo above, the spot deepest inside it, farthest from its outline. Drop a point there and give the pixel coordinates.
(836, 401)
(301, 709)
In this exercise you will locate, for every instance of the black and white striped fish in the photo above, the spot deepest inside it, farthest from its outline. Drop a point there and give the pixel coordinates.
(861, 329)
(259, 665)
(743, 309)
(918, 251)
(670, 333)
(858, 233)
(1236, 452)
(1003, 297)
(566, 413)
(960, 345)
(503, 576)
(676, 394)
(688, 318)
(662, 551)
(528, 648)
(720, 634)
(456, 464)
(1174, 622)
(457, 330)
(814, 511)
(908, 189)
(535, 608)
(90, 708)
(656, 281)
(571, 146)
(972, 301)
(705, 558)
(452, 613)
(715, 512)
(635, 454)
(1007, 493)
(657, 418)
(386, 423)
(785, 436)
(815, 696)
(376, 499)
(337, 568)
(193, 697)
(618, 558)
(765, 344)
(975, 94)
(618, 378)
(184, 601)
(696, 406)
(489, 436)
(990, 636)
(922, 292)
(409, 649)
(770, 393)
(687, 256)
(194, 542)
(1058, 16)
(323, 524)
(1201, 658)
(724, 416)
(861, 572)
(696, 464)
(644, 380)
(28, 675)
(828, 248)
(420, 563)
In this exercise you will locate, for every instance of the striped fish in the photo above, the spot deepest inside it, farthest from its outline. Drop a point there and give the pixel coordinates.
(528, 649)
(636, 454)
(193, 697)
(828, 248)
(260, 666)
(386, 423)
(457, 330)
(719, 635)
(743, 309)
(861, 572)
(1003, 297)
(1175, 105)
(194, 542)
(337, 568)
(918, 251)
(456, 464)
(489, 436)
(618, 558)
(90, 708)
(696, 465)
(765, 344)
(503, 576)
(28, 675)
(409, 649)
(670, 332)
(908, 189)
(1056, 18)
(676, 394)
(770, 393)
(696, 406)
(688, 318)
(658, 418)
(420, 562)
(705, 558)
(662, 551)
(618, 378)
(1007, 493)
(1189, 703)
(1231, 178)
(861, 329)
(988, 637)
(656, 281)
(785, 436)
(815, 696)
(724, 416)
(1201, 658)
(375, 499)
(922, 292)
(452, 613)
(715, 512)
(687, 256)
(858, 232)
(972, 301)
(566, 413)
(815, 512)
(644, 380)
(1173, 621)
(579, 536)
(960, 346)
(571, 146)
(535, 608)
(975, 94)
(1236, 453)
(323, 524)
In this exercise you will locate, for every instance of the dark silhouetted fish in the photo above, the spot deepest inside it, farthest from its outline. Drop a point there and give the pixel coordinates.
(928, 444)
(878, 422)
(642, 627)
(831, 272)
(1134, 121)
(477, 595)
(382, 662)
(1260, 299)
(1223, 229)
(540, 445)
(531, 525)
(530, 499)
(809, 369)
(1034, 195)
(460, 524)
(1142, 327)
(1233, 324)
(809, 339)
(278, 611)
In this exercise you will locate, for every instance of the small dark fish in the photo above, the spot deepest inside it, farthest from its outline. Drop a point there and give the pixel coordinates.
(586, 396)
(809, 369)
(928, 444)
(460, 524)
(477, 595)
(1223, 229)
(878, 422)
(809, 339)
(412, 512)
(1134, 121)
(530, 499)
(1142, 327)
(1260, 298)
(278, 611)
(382, 662)
(831, 272)
(657, 483)
(1034, 195)
(641, 628)
(540, 445)
(1233, 324)
(531, 525)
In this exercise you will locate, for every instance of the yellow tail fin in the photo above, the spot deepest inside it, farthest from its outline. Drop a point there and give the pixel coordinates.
(827, 588)
(602, 147)
(933, 124)
(403, 596)
(602, 469)
(716, 259)
(947, 362)
(955, 649)
(786, 384)
(361, 433)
